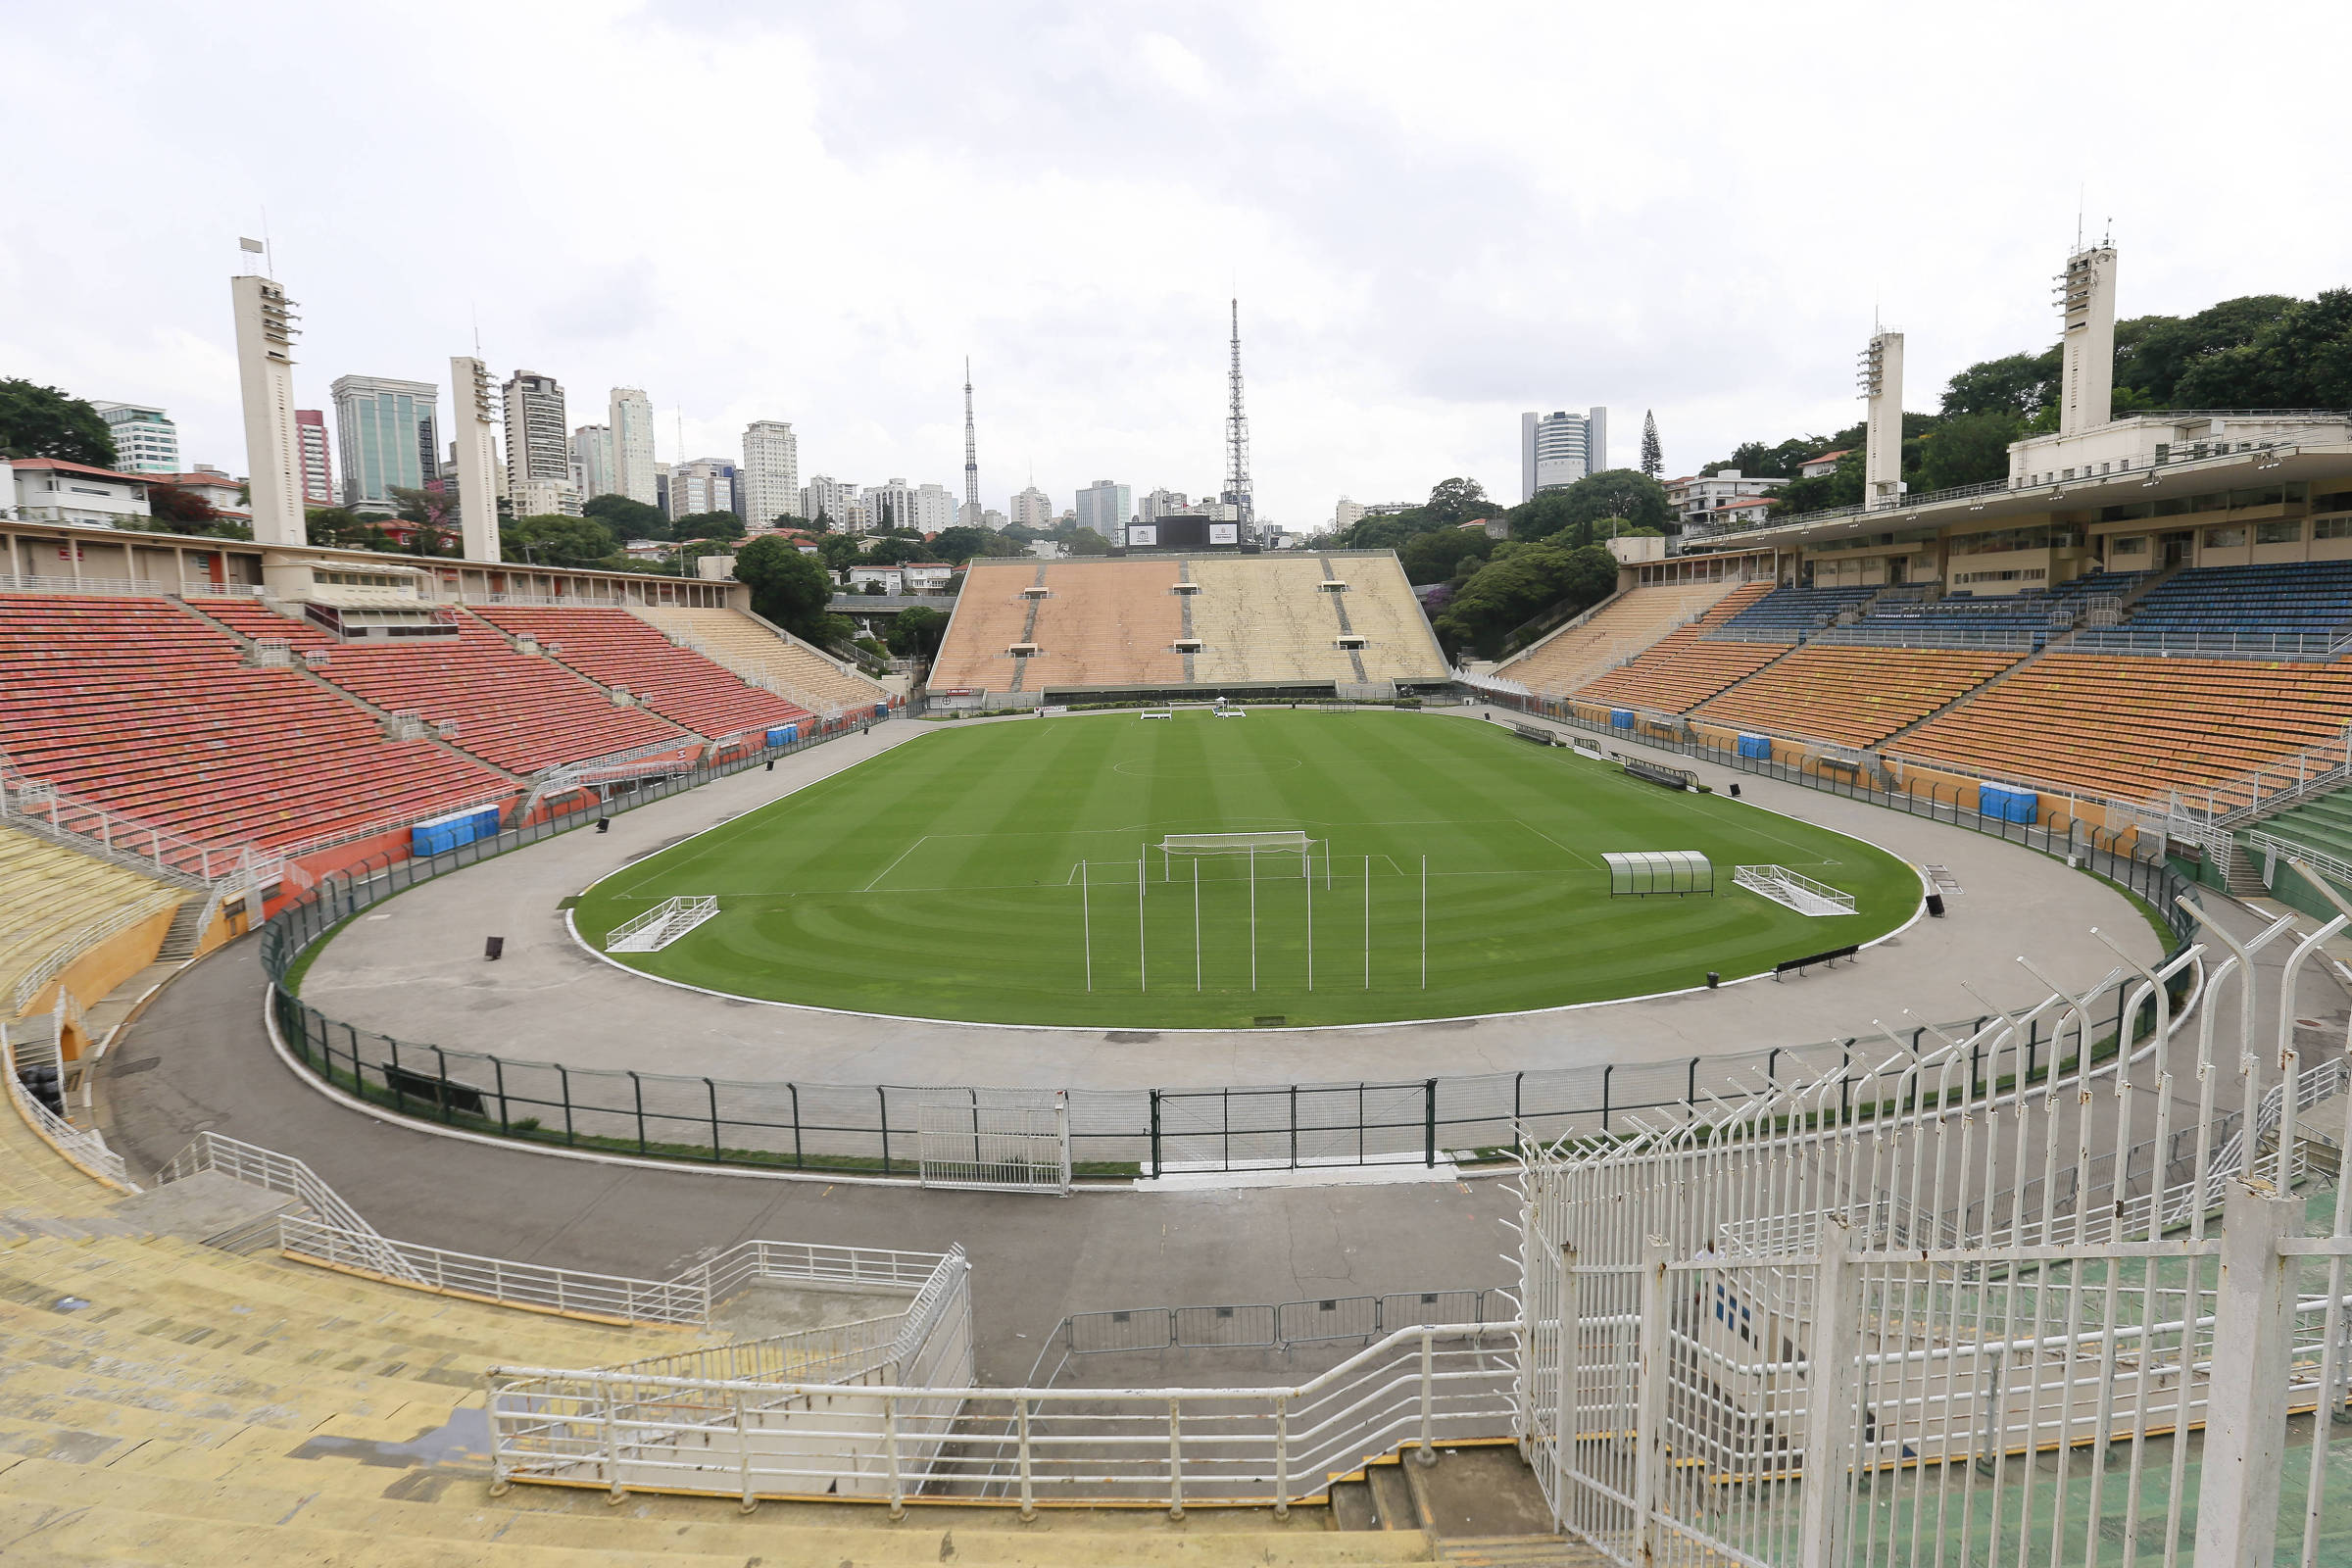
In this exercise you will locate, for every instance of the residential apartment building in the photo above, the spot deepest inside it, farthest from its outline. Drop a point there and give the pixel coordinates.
(1031, 509)
(835, 500)
(317, 459)
(934, 509)
(889, 505)
(591, 461)
(1557, 449)
(1105, 507)
(631, 421)
(53, 490)
(1705, 503)
(538, 452)
(771, 472)
(545, 498)
(146, 441)
(1345, 512)
(706, 484)
(385, 429)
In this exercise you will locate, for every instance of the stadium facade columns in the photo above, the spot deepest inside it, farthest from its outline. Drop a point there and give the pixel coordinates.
(265, 333)
(477, 445)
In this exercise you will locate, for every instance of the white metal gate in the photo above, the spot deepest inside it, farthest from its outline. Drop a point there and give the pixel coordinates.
(1004, 1140)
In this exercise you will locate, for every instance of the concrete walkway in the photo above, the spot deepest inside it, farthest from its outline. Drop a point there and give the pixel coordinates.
(413, 968)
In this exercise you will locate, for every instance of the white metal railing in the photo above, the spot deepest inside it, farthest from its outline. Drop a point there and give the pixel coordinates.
(266, 1168)
(891, 1443)
(2297, 645)
(123, 587)
(60, 957)
(2274, 849)
(84, 1147)
(38, 806)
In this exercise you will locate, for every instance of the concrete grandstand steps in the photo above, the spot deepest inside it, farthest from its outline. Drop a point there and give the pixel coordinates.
(1854, 694)
(1685, 668)
(1615, 633)
(295, 1510)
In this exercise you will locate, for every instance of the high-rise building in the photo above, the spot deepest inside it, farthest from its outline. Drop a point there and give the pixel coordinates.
(385, 429)
(317, 461)
(536, 445)
(266, 386)
(545, 498)
(934, 508)
(890, 505)
(771, 472)
(473, 459)
(1162, 503)
(1346, 514)
(1557, 449)
(1103, 506)
(706, 484)
(1031, 509)
(591, 461)
(632, 426)
(146, 441)
(835, 500)
(661, 495)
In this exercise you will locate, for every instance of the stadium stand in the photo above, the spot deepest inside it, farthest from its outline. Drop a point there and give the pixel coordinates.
(991, 615)
(49, 896)
(1686, 668)
(1793, 614)
(1270, 618)
(2133, 727)
(1106, 623)
(155, 714)
(614, 647)
(2303, 608)
(511, 710)
(2021, 619)
(756, 652)
(1854, 695)
(1614, 633)
(1379, 607)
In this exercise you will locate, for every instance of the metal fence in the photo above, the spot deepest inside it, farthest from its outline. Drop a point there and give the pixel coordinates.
(1786, 1338)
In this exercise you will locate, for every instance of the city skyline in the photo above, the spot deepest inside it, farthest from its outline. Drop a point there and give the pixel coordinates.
(1375, 369)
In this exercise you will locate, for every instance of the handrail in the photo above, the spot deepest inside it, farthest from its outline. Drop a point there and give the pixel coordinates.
(82, 940)
(38, 806)
(82, 1147)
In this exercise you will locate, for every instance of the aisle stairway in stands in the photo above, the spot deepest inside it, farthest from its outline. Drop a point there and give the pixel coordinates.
(1613, 634)
(1686, 668)
(515, 711)
(615, 648)
(753, 650)
(156, 713)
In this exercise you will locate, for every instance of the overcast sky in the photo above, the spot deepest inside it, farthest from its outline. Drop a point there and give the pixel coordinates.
(1435, 216)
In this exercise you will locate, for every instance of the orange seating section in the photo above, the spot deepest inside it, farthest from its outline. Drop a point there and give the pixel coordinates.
(1108, 623)
(1620, 629)
(1684, 670)
(614, 648)
(1853, 695)
(511, 710)
(2135, 727)
(138, 704)
(989, 613)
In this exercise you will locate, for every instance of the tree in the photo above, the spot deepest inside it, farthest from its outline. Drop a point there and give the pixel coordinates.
(1519, 583)
(915, 633)
(627, 518)
(2022, 384)
(1541, 516)
(1453, 501)
(1971, 449)
(1615, 493)
(963, 541)
(893, 551)
(185, 511)
(708, 525)
(1087, 542)
(1653, 456)
(1433, 556)
(41, 421)
(552, 539)
(823, 522)
(788, 588)
(2302, 360)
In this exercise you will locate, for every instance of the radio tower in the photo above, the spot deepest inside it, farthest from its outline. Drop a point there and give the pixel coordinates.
(1237, 439)
(971, 458)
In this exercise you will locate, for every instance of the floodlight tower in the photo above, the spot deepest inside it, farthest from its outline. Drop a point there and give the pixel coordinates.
(477, 456)
(1881, 381)
(265, 333)
(1237, 440)
(2087, 302)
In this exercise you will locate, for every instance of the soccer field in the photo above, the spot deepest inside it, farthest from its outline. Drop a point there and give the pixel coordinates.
(989, 872)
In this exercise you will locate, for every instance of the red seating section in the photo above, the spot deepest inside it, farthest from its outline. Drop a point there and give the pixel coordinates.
(513, 709)
(615, 648)
(138, 704)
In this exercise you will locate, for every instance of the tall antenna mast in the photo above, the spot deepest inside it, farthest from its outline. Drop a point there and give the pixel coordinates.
(1237, 436)
(971, 458)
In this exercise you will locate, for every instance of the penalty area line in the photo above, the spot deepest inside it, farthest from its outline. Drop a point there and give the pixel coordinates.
(894, 866)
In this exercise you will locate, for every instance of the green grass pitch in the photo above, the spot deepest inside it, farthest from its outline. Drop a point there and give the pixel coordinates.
(942, 879)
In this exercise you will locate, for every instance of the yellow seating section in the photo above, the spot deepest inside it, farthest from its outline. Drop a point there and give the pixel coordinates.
(47, 894)
(1853, 695)
(749, 649)
(1684, 668)
(1626, 626)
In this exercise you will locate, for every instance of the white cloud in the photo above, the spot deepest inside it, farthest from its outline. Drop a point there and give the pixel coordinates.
(1434, 220)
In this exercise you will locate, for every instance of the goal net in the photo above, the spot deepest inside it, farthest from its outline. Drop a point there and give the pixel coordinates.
(1292, 842)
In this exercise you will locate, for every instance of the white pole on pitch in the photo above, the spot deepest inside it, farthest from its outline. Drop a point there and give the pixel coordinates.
(1086, 925)
(1309, 889)
(1425, 922)
(1143, 951)
(1253, 918)
(1367, 922)
(1196, 922)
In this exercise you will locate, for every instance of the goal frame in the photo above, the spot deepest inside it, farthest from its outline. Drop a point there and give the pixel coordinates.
(1272, 841)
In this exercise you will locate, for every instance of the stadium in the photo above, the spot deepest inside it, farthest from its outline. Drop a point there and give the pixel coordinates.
(1836, 1053)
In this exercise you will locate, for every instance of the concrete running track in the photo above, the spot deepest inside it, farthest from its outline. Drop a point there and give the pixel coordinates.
(412, 968)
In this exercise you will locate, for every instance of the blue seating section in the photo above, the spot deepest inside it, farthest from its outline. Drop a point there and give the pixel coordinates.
(1795, 611)
(2285, 608)
(2006, 614)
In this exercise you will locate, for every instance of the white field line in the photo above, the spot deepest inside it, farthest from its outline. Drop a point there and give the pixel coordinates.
(894, 866)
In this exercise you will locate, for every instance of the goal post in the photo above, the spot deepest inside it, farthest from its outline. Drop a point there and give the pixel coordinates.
(1286, 841)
